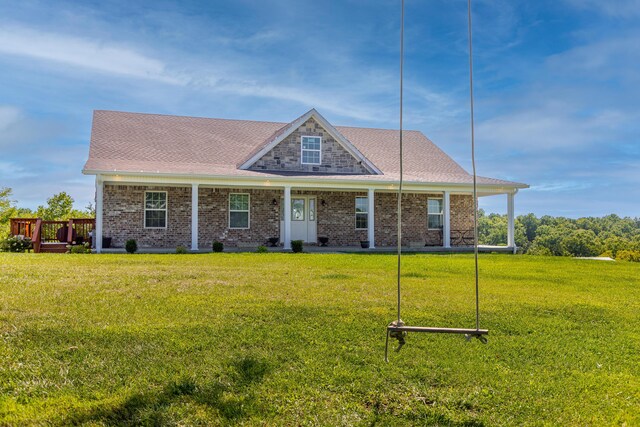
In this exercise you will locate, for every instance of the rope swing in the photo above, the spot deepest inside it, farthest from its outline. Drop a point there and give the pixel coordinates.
(397, 329)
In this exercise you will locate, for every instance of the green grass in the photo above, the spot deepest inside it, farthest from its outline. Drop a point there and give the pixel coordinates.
(298, 339)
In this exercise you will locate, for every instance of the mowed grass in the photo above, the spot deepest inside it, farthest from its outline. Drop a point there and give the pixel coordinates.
(298, 339)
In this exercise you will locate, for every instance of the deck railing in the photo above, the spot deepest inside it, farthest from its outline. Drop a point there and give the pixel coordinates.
(72, 231)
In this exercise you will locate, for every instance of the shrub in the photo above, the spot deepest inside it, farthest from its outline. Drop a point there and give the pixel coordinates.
(131, 246)
(624, 255)
(536, 249)
(606, 254)
(262, 249)
(181, 250)
(218, 246)
(15, 244)
(296, 246)
(79, 249)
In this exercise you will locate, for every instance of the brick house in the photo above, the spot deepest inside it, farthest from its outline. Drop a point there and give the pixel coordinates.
(168, 181)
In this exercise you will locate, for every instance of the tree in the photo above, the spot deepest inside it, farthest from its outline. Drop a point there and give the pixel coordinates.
(7, 210)
(548, 240)
(581, 243)
(59, 207)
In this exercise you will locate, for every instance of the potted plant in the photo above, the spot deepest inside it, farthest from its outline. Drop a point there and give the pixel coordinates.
(323, 241)
(364, 244)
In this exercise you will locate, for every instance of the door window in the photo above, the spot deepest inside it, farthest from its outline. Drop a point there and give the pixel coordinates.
(297, 209)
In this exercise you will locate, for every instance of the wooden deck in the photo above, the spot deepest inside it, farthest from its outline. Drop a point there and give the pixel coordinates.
(53, 236)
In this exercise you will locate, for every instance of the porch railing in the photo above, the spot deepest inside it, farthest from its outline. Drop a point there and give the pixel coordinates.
(75, 230)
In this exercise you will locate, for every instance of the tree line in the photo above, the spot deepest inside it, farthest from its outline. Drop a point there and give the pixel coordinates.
(560, 236)
(59, 207)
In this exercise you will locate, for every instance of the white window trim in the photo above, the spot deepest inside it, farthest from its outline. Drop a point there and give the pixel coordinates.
(166, 210)
(302, 150)
(441, 214)
(248, 211)
(355, 215)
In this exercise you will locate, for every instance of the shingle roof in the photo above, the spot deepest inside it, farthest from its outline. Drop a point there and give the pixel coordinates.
(153, 143)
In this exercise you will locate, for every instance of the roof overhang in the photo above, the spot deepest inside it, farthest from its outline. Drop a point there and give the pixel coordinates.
(316, 182)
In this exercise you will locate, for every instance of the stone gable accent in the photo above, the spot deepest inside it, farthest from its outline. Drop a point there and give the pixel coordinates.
(286, 156)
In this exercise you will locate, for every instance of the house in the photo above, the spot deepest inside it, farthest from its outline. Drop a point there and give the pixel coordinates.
(169, 180)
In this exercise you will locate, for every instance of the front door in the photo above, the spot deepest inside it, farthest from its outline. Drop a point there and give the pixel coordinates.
(303, 219)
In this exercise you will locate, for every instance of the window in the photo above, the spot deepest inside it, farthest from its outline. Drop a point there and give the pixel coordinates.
(155, 209)
(362, 212)
(297, 209)
(312, 209)
(238, 210)
(311, 150)
(434, 214)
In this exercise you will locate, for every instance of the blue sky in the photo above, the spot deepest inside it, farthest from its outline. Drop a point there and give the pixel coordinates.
(557, 83)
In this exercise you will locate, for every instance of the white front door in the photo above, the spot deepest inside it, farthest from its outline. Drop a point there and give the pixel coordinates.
(303, 219)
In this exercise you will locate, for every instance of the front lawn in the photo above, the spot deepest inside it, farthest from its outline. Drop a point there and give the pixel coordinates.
(298, 339)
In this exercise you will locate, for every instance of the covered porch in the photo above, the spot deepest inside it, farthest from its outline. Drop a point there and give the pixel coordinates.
(324, 214)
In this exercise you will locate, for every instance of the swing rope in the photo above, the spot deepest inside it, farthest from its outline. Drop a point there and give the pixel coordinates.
(473, 163)
(399, 322)
(397, 329)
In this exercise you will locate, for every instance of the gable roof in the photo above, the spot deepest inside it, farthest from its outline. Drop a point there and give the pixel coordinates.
(288, 129)
(123, 142)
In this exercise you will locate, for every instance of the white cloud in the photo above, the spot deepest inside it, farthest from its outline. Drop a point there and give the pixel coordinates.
(12, 170)
(8, 116)
(618, 8)
(82, 52)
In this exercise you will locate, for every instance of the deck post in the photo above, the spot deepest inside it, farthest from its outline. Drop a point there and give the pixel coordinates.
(98, 228)
(287, 217)
(446, 220)
(510, 222)
(194, 217)
(371, 232)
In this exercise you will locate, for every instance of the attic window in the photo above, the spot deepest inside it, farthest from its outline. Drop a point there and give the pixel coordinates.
(311, 150)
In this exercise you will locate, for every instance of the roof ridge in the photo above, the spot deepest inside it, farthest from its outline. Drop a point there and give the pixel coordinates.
(189, 117)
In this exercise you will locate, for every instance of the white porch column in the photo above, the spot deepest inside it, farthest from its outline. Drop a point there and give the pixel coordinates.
(287, 217)
(97, 238)
(194, 217)
(446, 220)
(510, 222)
(371, 232)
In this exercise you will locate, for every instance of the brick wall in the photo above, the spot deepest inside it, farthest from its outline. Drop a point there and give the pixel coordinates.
(213, 217)
(286, 155)
(124, 217)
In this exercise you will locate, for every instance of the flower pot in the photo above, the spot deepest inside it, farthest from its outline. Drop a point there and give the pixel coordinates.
(323, 241)
(364, 244)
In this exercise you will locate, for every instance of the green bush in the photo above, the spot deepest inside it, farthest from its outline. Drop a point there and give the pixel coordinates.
(606, 254)
(536, 249)
(181, 250)
(296, 246)
(262, 249)
(131, 246)
(218, 246)
(79, 249)
(624, 255)
(15, 244)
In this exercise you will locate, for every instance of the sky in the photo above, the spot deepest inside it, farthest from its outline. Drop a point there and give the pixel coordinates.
(557, 86)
